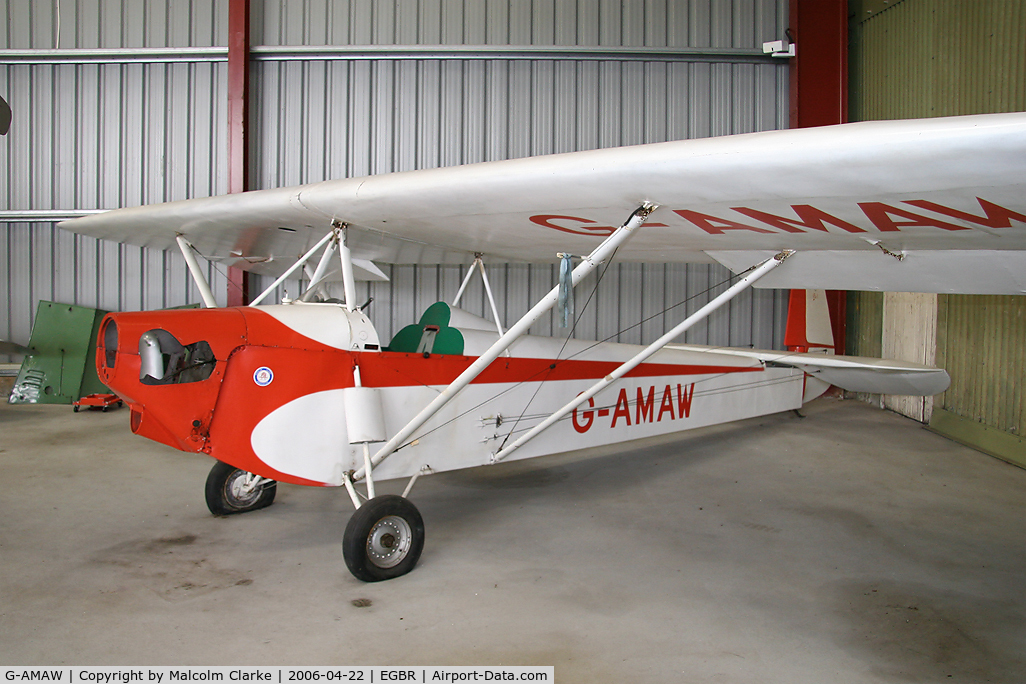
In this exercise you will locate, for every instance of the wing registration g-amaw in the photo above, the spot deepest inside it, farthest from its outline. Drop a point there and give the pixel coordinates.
(307, 393)
(936, 205)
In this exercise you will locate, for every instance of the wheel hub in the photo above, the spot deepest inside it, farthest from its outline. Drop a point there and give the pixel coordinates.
(389, 541)
(239, 490)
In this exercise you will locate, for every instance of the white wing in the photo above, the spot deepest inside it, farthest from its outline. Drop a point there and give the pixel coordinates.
(923, 205)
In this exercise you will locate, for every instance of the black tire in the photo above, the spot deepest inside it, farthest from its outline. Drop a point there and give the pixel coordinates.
(223, 496)
(75, 409)
(383, 539)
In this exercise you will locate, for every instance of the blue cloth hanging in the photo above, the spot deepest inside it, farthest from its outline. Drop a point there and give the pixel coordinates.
(566, 290)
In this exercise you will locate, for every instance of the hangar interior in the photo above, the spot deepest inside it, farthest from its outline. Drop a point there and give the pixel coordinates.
(768, 551)
(132, 127)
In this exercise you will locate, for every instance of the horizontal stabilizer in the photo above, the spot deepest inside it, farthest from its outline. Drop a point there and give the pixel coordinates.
(852, 373)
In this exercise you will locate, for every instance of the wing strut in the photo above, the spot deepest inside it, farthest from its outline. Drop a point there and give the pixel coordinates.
(479, 265)
(189, 252)
(348, 280)
(601, 253)
(295, 267)
(648, 351)
(317, 275)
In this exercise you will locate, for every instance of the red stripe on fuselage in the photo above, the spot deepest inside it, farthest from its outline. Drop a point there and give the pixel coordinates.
(396, 369)
(231, 403)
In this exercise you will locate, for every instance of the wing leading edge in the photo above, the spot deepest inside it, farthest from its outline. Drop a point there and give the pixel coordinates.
(935, 205)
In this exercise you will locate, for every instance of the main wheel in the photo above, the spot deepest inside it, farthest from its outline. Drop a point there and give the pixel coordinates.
(383, 539)
(229, 490)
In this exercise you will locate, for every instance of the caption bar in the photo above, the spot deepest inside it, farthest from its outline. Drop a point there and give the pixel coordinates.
(277, 675)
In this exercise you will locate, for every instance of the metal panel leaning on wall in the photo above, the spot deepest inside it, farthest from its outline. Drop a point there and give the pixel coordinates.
(616, 73)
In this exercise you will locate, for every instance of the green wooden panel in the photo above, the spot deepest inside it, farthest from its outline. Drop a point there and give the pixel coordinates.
(62, 365)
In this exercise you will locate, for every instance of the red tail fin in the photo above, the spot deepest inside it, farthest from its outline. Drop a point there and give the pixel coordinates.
(814, 318)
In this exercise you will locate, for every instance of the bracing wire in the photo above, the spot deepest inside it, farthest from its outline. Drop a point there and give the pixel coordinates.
(573, 329)
(515, 429)
(547, 371)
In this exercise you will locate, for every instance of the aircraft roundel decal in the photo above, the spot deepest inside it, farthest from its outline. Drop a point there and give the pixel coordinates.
(263, 376)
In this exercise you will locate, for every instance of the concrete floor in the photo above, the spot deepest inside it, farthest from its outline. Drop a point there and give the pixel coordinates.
(848, 546)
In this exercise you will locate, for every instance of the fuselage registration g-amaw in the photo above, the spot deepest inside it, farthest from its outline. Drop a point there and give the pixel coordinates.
(305, 392)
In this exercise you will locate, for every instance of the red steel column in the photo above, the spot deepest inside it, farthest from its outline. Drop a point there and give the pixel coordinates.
(238, 124)
(819, 90)
(819, 73)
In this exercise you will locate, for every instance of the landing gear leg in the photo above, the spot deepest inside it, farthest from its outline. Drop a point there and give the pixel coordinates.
(231, 490)
(383, 539)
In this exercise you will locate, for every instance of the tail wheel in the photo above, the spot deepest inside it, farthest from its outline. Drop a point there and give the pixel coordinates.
(383, 539)
(230, 490)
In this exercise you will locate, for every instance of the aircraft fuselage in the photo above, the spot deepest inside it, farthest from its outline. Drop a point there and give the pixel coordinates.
(263, 389)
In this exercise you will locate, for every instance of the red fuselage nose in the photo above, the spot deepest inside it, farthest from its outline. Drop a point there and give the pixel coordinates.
(168, 366)
(202, 380)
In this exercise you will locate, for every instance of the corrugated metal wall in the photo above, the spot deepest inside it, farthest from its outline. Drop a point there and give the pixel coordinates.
(86, 136)
(114, 23)
(920, 59)
(864, 331)
(109, 132)
(677, 23)
(363, 117)
(923, 58)
(982, 343)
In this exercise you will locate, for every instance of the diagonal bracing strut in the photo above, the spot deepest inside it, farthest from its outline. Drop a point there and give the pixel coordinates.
(601, 253)
(479, 266)
(648, 351)
(189, 252)
(296, 266)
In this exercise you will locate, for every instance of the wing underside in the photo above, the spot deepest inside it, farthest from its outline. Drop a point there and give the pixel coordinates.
(935, 205)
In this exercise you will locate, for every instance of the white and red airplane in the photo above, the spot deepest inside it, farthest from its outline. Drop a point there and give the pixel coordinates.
(307, 393)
